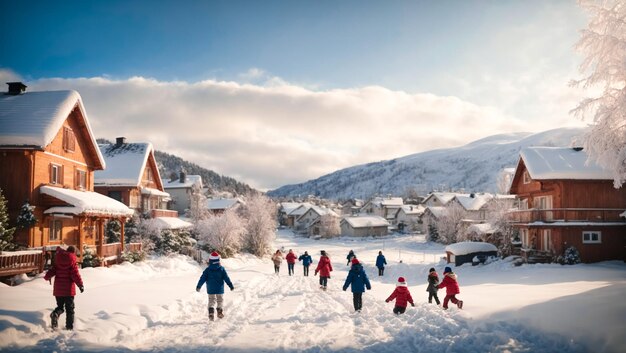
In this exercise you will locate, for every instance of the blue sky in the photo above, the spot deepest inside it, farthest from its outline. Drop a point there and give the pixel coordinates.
(510, 59)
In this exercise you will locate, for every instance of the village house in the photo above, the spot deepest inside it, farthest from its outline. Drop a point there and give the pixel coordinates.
(306, 220)
(219, 206)
(385, 207)
(48, 155)
(564, 201)
(409, 218)
(181, 190)
(351, 207)
(284, 208)
(438, 199)
(363, 226)
(296, 213)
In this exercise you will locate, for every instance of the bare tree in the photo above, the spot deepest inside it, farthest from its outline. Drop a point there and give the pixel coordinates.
(604, 44)
(223, 233)
(198, 206)
(504, 232)
(260, 229)
(450, 225)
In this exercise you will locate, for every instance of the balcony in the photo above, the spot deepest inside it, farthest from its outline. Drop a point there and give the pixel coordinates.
(573, 215)
(163, 213)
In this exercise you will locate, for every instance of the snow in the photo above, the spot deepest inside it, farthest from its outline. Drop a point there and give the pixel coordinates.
(153, 306)
(468, 247)
(482, 228)
(561, 163)
(190, 180)
(35, 118)
(222, 204)
(21, 252)
(475, 202)
(300, 210)
(287, 207)
(155, 192)
(125, 164)
(169, 223)
(366, 221)
(413, 209)
(85, 202)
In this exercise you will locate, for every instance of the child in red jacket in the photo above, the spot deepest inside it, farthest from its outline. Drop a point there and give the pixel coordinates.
(402, 295)
(291, 261)
(452, 288)
(65, 271)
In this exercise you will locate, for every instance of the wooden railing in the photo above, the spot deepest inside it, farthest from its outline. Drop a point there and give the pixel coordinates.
(20, 262)
(108, 250)
(133, 247)
(163, 213)
(566, 215)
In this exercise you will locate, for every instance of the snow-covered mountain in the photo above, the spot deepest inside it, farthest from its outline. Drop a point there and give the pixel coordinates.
(473, 167)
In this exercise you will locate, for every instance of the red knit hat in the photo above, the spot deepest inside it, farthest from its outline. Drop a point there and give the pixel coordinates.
(355, 261)
(401, 281)
(214, 257)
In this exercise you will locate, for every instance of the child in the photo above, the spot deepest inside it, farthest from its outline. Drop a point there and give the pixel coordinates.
(306, 262)
(380, 263)
(291, 261)
(357, 279)
(452, 288)
(324, 267)
(277, 258)
(402, 296)
(66, 271)
(349, 257)
(215, 275)
(433, 281)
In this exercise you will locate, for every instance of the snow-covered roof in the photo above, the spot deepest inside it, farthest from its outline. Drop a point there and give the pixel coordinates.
(176, 184)
(222, 204)
(386, 201)
(287, 207)
(169, 223)
(300, 210)
(443, 197)
(413, 209)
(437, 211)
(85, 202)
(468, 247)
(126, 163)
(547, 163)
(366, 221)
(34, 118)
(155, 192)
(481, 228)
(473, 202)
(323, 211)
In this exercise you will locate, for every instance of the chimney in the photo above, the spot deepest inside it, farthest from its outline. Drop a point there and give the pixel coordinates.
(182, 177)
(16, 88)
(120, 141)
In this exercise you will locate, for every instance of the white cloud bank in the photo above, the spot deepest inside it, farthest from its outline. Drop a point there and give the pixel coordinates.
(275, 133)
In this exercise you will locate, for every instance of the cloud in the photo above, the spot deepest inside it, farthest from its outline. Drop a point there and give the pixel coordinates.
(274, 133)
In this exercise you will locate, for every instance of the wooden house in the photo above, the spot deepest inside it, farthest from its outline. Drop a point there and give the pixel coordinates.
(181, 190)
(385, 207)
(363, 226)
(284, 209)
(132, 177)
(48, 155)
(219, 206)
(564, 201)
(306, 220)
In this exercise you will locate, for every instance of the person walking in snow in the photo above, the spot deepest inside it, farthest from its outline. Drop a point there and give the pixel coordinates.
(277, 258)
(306, 262)
(215, 276)
(452, 288)
(349, 257)
(433, 281)
(357, 279)
(324, 267)
(291, 261)
(402, 295)
(66, 277)
(380, 263)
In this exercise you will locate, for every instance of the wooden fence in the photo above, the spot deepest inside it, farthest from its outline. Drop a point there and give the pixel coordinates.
(20, 262)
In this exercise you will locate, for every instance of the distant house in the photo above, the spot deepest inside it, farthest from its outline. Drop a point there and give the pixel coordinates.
(132, 177)
(475, 205)
(438, 199)
(48, 155)
(385, 207)
(564, 201)
(362, 226)
(284, 208)
(468, 251)
(219, 206)
(480, 231)
(409, 218)
(297, 212)
(180, 191)
(313, 213)
(351, 207)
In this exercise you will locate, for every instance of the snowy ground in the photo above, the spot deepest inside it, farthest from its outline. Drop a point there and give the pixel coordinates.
(153, 306)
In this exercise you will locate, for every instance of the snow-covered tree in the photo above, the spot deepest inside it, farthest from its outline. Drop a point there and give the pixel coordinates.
(571, 256)
(450, 225)
(504, 232)
(260, 215)
(329, 226)
(198, 204)
(26, 219)
(90, 258)
(112, 231)
(433, 233)
(223, 233)
(603, 43)
(6, 233)
(131, 230)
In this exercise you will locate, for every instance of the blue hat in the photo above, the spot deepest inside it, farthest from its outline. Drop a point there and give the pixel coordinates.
(446, 270)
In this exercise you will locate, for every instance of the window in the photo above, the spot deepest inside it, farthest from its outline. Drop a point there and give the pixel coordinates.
(149, 174)
(526, 177)
(55, 230)
(81, 179)
(524, 238)
(592, 237)
(116, 195)
(69, 140)
(56, 174)
(547, 239)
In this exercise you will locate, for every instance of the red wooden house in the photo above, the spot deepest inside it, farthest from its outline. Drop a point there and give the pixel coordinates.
(566, 202)
(48, 155)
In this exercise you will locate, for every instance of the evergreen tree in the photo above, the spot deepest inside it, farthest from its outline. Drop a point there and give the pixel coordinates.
(6, 233)
(433, 233)
(26, 219)
(112, 231)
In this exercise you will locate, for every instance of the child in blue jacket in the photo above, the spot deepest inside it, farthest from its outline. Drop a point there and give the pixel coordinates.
(306, 262)
(357, 278)
(215, 276)
(380, 263)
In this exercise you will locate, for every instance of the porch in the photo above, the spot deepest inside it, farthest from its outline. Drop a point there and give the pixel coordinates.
(554, 215)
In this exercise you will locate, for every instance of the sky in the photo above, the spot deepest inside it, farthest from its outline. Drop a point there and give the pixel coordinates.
(280, 92)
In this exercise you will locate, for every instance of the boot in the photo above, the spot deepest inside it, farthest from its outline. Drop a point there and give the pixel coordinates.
(220, 313)
(54, 318)
(460, 304)
(211, 315)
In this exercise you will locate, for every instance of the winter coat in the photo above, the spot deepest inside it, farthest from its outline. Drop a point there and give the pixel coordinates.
(402, 296)
(358, 279)
(215, 275)
(66, 271)
(450, 283)
(324, 267)
(433, 281)
(350, 256)
(291, 258)
(380, 261)
(278, 259)
(306, 260)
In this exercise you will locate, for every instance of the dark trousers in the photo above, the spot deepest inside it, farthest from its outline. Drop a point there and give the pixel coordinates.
(399, 309)
(290, 268)
(276, 268)
(381, 270)
(323, 281)
(450, 297)
(65, 304)
(432, 295)
(357, 300)
(306, 270)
